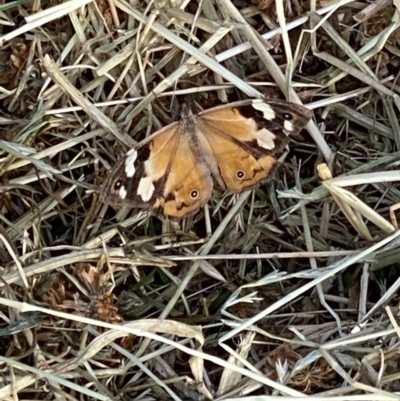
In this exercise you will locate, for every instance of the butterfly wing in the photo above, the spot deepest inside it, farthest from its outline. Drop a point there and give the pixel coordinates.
(244, 139)
(166, 175)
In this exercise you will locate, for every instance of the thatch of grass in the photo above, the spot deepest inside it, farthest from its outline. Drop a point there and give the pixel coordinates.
(284, 292)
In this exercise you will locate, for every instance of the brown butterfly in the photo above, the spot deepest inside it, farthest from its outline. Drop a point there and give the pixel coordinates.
(237, 144)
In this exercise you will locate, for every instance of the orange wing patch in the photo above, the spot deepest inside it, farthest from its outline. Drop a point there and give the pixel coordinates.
(242, 150)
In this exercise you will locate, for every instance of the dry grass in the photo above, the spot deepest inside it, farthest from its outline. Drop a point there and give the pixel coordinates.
(285, 292)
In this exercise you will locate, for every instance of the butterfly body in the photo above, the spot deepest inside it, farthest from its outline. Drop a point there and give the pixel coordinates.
(235, 143)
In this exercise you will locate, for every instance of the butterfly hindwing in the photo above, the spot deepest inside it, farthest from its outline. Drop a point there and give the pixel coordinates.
(187, 179)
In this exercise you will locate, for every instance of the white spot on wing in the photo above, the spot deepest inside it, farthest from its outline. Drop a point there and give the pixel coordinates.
(130, 168)
(122, 192)
(266, 109)
(288, 125)
(145, 189)
(265, 139)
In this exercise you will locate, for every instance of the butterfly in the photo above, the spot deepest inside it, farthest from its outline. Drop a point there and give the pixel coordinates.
(236, 144)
